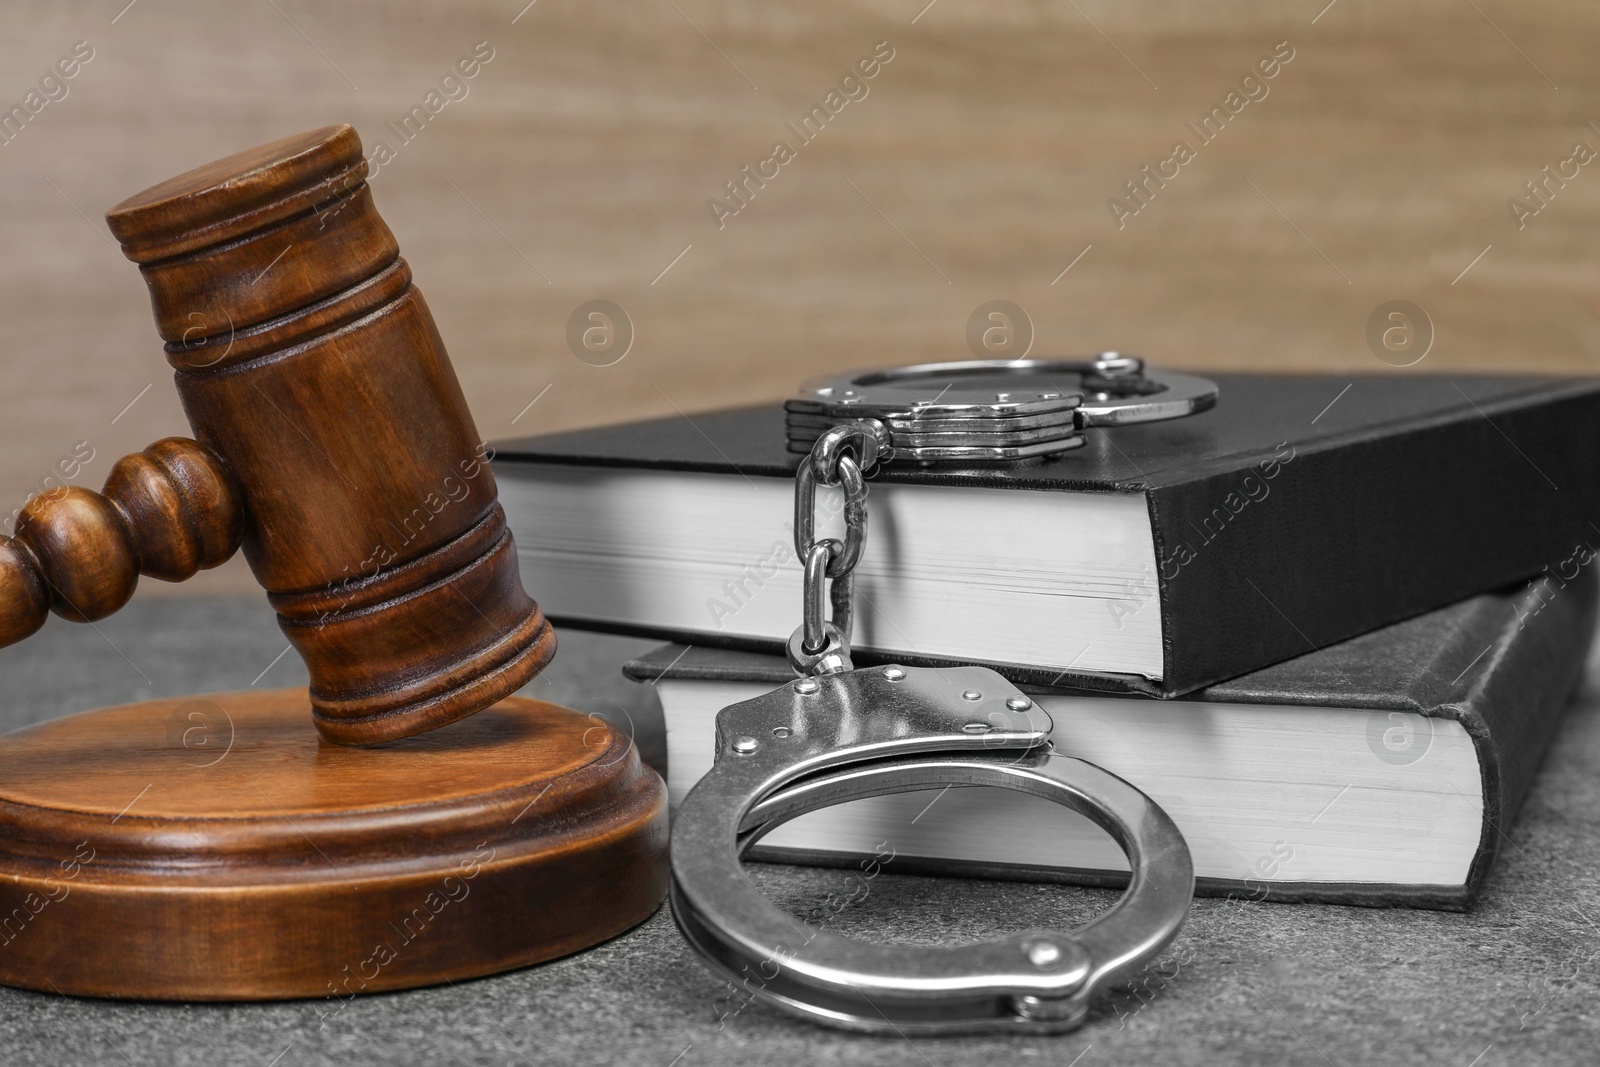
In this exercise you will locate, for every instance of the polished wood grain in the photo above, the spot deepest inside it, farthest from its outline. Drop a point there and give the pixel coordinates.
(220, 847)
(333, 440)
(215, 848)
(168, 512)
(334, 444)
(310, 365)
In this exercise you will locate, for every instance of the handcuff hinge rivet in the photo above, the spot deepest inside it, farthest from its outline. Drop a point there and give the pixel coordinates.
(1043, 954)
(971, 694)
(806, 686)
(743, 746)
(1019, 703)
(894, 674)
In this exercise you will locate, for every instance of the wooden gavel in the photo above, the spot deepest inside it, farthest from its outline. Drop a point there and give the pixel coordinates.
(331, 440)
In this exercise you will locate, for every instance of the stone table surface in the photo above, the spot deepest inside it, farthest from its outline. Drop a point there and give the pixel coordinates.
(1512, 982)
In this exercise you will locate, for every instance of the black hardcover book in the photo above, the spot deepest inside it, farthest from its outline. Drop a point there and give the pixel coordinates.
(1384, 770)
(1300, 511)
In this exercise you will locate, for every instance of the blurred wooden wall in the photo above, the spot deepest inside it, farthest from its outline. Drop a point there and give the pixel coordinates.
(979, 165)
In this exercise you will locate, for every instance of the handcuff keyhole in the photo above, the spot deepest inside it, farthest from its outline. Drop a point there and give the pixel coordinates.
(780, 731)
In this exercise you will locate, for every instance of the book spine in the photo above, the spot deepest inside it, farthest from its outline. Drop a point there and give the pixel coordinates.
(1516, 695)
(1307, 547)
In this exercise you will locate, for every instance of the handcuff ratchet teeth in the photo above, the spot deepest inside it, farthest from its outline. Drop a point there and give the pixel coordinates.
(979, 411)
(837, 733)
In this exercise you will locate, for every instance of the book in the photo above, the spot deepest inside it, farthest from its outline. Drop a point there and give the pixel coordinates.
(1158, 558)
(1384, 770)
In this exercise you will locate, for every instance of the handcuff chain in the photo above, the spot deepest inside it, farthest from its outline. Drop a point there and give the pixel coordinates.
(842, 456)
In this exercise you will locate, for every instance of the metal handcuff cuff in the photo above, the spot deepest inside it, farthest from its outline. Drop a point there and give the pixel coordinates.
(838, 733)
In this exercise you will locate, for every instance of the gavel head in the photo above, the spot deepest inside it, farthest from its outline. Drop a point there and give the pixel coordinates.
(310, 366)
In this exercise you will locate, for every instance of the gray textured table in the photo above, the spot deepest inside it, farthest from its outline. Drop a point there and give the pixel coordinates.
(1514, 982)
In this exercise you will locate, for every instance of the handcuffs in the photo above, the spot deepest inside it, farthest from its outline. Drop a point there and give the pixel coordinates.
(838, 733)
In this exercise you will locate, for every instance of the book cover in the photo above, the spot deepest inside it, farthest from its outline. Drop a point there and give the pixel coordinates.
(1417, 741)
(1299, 512)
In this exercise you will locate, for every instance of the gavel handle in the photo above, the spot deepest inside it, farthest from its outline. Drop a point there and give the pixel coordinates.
(168, 512)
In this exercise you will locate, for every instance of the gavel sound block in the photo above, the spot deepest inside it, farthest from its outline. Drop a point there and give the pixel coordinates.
(223, 847)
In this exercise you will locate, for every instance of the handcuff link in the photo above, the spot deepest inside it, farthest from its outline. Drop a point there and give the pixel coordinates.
(842, 456)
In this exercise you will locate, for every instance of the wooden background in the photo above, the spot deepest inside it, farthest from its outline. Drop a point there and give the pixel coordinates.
(978, 167)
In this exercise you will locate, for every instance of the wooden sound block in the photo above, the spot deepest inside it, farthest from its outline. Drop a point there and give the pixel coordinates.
(215, 848)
